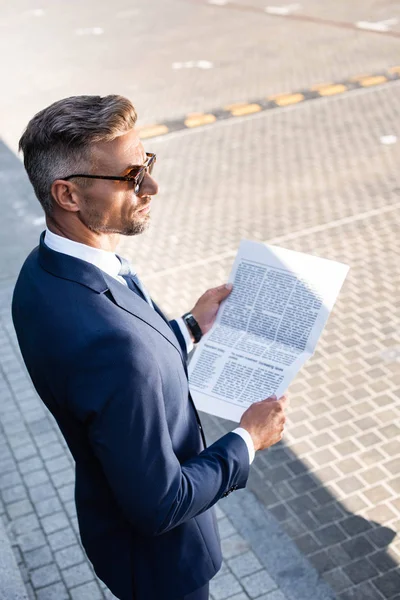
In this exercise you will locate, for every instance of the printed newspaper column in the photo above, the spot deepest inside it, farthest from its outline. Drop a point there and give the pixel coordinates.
(265, 330)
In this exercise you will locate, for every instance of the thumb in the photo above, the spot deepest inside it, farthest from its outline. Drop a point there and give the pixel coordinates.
(222, 291)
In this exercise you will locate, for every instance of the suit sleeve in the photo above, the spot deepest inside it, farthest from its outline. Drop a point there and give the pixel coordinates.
(119, 394)
(178, 333)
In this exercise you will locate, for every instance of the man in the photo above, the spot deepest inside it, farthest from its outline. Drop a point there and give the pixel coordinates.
(112, 370)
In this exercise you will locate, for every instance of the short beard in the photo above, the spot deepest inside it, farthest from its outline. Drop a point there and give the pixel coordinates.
(135, 227)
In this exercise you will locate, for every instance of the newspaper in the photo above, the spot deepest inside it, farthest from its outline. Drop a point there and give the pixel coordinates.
(265, 330)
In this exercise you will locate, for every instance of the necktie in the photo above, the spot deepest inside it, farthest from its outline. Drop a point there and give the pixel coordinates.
(133, 280)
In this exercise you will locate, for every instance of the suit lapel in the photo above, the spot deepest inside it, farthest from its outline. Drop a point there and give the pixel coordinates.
(84, 273)
(132, 303)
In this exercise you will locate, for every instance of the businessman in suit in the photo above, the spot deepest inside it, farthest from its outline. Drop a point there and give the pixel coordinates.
(112, 369)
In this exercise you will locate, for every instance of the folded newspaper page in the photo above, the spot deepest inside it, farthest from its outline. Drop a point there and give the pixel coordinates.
(265, 330)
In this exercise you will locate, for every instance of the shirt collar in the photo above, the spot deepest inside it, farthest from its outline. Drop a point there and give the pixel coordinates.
(104, 260)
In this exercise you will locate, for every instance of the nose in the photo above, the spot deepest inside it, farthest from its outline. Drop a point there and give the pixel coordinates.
(149, 186)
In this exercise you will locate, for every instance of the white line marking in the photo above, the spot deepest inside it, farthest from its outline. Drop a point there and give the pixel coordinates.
(193, 64)
(282, 10)
(89, 31)
(381, 26)
(388, 140)
(35, 12)
(281, 239)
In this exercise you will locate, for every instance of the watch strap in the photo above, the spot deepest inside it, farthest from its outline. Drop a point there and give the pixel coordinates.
(194, 327)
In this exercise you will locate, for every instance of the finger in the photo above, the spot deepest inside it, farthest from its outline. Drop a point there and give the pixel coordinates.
(272, 398)
(284, 400)
(222, 291)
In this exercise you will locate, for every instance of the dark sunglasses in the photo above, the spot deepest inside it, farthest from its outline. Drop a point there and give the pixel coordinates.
(135, 175)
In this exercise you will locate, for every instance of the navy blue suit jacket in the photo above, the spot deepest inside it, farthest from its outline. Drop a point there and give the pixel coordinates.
(113, 373)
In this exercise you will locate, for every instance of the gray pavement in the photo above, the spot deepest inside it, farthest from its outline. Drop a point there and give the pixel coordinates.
(321, 514)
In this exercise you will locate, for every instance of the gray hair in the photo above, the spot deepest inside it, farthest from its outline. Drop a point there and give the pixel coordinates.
(58, 139)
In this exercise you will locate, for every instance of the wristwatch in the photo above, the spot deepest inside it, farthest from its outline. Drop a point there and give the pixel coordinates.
(193, 326)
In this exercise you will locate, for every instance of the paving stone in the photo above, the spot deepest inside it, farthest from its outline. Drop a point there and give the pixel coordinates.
(244, 564)
(360, 570)
(48, 506)
(45, 576)
(44, 439)
(8, 480)
(54, 522)
(258, 583)
(70, 556)
(66, 493)
(38, 557)
(25, 524)
(19, 508)
(355, 524)
(241, 596)
(364, 591)
(34, 463)
(358, 547)
(389, 583)
(62, 539)
(322, 561)
(274, 595)
(36, 478)
(41, 426)
(52, 450)
(62, 478)
(88, 591)
(233, 546)
(32, 540)
(58, 464)
(304, 483)
(41, 492)
(308, 544)
(382, 561)
(329, 535)
(381, 536)
(218, 511)
(56, 591)
(78, 574)
(225, 528)
(224, 587)
(338, 579)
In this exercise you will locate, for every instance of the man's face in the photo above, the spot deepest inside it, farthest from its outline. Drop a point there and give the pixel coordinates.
(112, 206)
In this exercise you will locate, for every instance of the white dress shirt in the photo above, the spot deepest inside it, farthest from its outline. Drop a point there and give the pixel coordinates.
(110, 264)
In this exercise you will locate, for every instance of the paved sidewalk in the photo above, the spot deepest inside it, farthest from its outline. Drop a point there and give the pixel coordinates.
(37, 475)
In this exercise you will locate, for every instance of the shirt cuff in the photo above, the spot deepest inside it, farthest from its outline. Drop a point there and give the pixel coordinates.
(246, 437)
(186, 335)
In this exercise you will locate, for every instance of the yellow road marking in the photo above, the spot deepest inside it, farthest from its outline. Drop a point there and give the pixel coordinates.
(286, 99)
(197, 119)
(152, 131)
(374, 80)
(331, 90)
(241, 108)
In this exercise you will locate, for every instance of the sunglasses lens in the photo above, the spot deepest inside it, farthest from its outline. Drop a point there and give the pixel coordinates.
(139, 180)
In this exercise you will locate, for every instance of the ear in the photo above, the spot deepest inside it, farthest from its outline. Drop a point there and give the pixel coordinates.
(66, 195)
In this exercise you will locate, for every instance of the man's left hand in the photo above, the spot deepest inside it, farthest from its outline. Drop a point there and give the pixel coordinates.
(206, 308)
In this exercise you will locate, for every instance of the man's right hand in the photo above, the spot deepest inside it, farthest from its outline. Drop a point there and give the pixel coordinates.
(265, 421)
